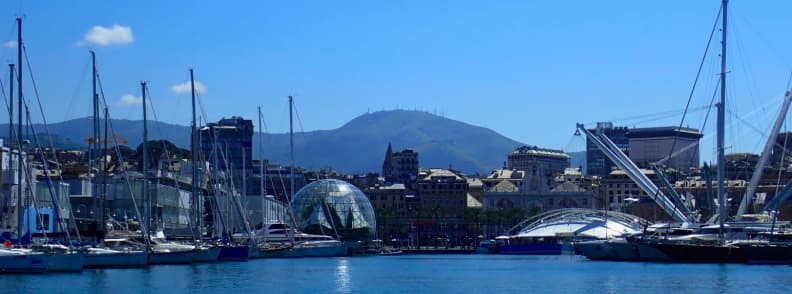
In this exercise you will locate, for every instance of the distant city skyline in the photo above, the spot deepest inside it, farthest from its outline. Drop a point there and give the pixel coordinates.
(527, 70)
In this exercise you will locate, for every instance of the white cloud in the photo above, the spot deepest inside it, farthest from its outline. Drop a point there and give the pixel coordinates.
(10, 44)
(106, 36)
(130, 99)
(186, 87)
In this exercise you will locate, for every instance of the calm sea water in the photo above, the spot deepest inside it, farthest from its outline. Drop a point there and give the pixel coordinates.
(417, 274)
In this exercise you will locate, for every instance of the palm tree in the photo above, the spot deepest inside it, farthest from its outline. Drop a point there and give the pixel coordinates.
(436, 210)
(470, 216)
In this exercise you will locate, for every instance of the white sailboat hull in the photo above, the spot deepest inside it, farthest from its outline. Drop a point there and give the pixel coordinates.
(307, 249)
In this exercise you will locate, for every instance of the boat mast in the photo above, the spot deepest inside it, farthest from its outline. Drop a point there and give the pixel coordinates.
(291, 149)
(104, 170)
(194, 161)
(721, 122)
(263, 178)
(11, 103)
(20, 204)
(146, 194)
(92, 147)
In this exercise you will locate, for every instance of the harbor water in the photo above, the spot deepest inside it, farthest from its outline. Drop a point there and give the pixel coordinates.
(417, 274)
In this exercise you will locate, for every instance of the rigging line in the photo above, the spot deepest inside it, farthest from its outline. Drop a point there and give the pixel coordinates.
(709, 108)
(657, 114)
(695, 81)
(46, 125)
(50, 184)
(5, 99)
(77, 91)
(781, 164)
(750, 82)
(761, 37)
(657, 118)
(143, 229)
(150, 102)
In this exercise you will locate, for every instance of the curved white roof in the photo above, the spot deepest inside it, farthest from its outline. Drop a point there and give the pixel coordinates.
(579, 222)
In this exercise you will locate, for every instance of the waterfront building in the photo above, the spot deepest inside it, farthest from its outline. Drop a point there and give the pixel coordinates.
(619, 192)
(442, 188)
(525, 158)
(781, 157)
(531, 191)
(650, 145)
(38, 198)
(597, 164)
(233, 138)
(391, 198)
(400, 167)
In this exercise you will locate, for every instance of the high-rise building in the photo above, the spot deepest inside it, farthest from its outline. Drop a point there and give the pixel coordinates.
(650, 145)
(231, 140)
(597, 164)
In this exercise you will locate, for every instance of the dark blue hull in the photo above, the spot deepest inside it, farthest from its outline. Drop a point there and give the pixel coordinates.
(537, 249)
(234, 253)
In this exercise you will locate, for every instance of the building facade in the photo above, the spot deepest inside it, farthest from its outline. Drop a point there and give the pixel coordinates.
(597, 164)
(650, 145)
(400, 167)
(529, 157)
(231, 139)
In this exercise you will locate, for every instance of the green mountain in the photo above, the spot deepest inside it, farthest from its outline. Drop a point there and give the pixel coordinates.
(356, 147)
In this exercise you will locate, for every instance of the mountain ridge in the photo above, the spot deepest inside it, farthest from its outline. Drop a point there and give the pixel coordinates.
(358, 146)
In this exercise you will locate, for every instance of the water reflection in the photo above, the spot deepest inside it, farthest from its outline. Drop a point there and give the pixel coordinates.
(342, 276)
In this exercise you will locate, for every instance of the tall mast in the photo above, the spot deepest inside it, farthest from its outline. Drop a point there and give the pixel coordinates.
(104, 171)
(11, 103)
(263, 178)
(291, 148)
(194, 160)
(20, 204)
(146, 196)
(92, 144)
(721, 123)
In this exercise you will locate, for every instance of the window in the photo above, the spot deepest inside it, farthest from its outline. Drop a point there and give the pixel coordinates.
(43, 223)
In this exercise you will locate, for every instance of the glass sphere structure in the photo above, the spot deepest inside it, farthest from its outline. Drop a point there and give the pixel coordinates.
(334, 207)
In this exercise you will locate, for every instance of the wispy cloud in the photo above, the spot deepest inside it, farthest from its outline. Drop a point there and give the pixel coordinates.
(130, 99)
(10, 44)
(186, 88)
(106, 36)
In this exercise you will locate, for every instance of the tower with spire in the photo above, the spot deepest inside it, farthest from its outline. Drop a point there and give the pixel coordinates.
(387, 164)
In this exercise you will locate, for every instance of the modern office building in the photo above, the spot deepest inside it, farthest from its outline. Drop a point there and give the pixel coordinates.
(597, 164)
(650, 145)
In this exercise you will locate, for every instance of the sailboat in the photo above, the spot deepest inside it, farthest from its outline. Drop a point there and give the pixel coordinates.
(56, 257)
(107, 253)
(204, 253)
(299, 244)
(162, 251)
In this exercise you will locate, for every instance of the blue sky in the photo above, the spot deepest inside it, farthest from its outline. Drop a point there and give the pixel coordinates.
(527, 69)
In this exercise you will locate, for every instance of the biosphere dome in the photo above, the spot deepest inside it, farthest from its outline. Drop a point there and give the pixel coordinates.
(334, 207)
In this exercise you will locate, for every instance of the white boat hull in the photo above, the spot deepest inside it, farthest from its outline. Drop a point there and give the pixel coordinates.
(332, 249)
